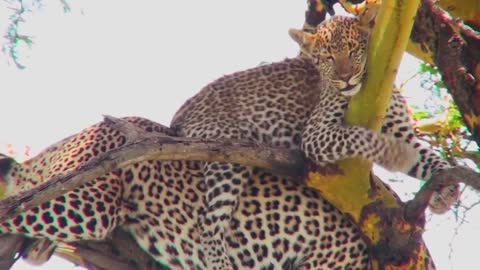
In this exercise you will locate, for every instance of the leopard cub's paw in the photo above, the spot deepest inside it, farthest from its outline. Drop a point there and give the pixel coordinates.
(442, 200)
(399, 156)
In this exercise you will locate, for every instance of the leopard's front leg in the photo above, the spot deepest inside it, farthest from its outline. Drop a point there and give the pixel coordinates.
(326, 139)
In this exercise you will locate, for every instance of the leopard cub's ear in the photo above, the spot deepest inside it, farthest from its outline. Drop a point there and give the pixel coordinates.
(303, 38)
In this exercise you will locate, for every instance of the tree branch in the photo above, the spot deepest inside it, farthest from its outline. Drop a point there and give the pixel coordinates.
(14, 38)
(10, 245)
(447, 42)
(395, 240)
(415, 208)
(120, 251)
(140, 147)
(454, 50)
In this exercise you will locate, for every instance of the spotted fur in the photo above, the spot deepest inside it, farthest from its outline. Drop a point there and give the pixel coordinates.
(269, 222)
(300, 103)
(278, 224)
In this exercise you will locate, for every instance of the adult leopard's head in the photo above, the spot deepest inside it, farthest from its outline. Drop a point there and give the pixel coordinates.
(14, 177)
(6, 164)
(339, 49)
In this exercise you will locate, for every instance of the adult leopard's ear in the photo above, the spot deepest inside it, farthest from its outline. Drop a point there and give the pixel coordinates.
(368, 15)
(303, 38)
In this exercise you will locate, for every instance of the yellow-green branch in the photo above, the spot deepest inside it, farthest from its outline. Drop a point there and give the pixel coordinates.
(355, 192)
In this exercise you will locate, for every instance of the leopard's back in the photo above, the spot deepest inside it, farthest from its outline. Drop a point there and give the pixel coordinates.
(268, 104)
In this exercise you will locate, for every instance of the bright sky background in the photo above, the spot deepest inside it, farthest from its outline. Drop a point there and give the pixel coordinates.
(145, 58)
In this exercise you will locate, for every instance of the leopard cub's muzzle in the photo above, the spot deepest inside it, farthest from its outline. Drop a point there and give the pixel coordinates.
(350, 89)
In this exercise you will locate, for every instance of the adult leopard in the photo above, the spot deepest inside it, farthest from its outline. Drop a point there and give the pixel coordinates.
(278, 224)
(140, 185)
(300, 103)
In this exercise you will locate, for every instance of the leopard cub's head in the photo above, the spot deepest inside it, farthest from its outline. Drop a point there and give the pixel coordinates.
(339, 50)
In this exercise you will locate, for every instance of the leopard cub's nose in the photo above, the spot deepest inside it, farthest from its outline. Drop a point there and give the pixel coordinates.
(343, 69)
(344, 76)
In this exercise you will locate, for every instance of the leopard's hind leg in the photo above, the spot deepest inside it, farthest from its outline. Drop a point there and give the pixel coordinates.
(89, 212)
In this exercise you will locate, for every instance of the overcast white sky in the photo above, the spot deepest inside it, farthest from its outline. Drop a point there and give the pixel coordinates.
(145, 58)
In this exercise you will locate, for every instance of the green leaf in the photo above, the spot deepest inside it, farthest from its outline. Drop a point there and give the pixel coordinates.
(421, 115)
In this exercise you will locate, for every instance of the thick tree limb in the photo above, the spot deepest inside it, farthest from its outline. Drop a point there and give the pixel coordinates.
(395, 240)
(455, 51)
(141, 147)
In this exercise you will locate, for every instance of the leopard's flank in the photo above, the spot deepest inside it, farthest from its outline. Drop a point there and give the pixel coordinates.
(278, 223)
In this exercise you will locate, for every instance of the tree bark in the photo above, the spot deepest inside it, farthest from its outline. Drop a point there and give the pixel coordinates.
(142, 146)
(454, 49)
